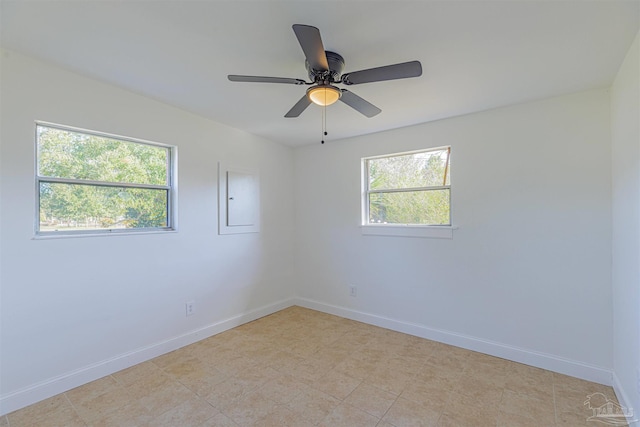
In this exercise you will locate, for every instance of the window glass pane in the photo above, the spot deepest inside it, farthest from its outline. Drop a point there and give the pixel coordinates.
(89, 207)
(73, 155)
(425, 169)
(428, 207)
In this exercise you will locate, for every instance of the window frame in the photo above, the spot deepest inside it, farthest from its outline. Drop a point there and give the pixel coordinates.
(170, 185)
(407, 230)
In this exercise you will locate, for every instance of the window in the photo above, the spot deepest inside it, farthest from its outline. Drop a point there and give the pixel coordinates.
(88, 182)
(408, 188)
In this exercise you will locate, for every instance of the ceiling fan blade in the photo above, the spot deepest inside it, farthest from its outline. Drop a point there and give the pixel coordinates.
(300, 106)
(388, 72)
(260, 79)
(359, 104)
(311, 43)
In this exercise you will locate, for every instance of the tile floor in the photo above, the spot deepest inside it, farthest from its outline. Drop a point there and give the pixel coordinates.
(300, 367)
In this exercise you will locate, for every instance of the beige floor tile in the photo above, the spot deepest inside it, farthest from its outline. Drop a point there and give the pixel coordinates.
(432, 368)
(469, 411)
(427, 394)
(579, 385)
(46, 408)
(165, 397)
(444, 380)
(570, 399)
(304, 348)
(282, 341)
(469, 418)
(203, 349)
(146, 383)
(337, 384)
(92, 390)
(131, 375)
(345, 415)
(203, 382)
(409, 366)
(260, 352)
(250, 346)
(229, 338)
(389, 380)
(66, 417)
(343, 343)
(405, 413)
(94, 408)
(506, 419)
(357, 336)
(132, 414)
(220, 420)
(228, 391)
(483, 366)
(313, 404)
(191, 413)
(371, 399)
(478, 389)
(328, 337)
(331, 354)
(283, 416)
(497, 377)
(219, 355)
(185, 366)
(235, 365)
(449, 367)
(172, 357)
(257, 376)
(481, 360)
(444, 352)
(574, 419)
(573, 406)
(374, 352)
(529, 380)
(418, 347)
(356, 368)
(249, 409)
(283, 388)
(299, 367)
(281, 361)
(309, 370)
(55, 411)
(528, 406)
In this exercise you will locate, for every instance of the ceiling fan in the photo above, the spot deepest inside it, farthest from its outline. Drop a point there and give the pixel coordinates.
(325, 71)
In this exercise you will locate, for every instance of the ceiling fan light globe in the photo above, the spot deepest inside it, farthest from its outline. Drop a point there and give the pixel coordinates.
(324, 95)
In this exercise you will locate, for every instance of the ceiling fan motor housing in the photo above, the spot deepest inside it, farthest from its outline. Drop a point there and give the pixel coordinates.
(336, 66)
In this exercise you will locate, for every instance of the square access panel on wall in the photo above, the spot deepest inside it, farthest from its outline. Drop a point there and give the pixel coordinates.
(238, 200)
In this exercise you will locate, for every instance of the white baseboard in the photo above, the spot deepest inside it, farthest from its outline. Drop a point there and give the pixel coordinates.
(625, 402)
(540, 360)
(45, 389)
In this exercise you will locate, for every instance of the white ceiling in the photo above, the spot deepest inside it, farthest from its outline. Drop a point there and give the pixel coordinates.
(475, 54)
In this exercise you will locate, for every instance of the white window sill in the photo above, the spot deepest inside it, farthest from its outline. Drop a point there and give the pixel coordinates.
(400, 230)
(63, 235)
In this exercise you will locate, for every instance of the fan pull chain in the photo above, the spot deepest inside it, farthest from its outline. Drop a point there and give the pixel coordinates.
(324, 123)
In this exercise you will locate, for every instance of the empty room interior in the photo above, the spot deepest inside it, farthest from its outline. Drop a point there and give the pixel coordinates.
(333, 213)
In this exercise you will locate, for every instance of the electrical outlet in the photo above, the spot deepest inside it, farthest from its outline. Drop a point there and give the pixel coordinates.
(353, 291)
(191, 308)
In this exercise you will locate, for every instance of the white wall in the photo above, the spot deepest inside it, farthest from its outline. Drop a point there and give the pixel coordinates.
(526, 276)
(75, 309)
(625, 135)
